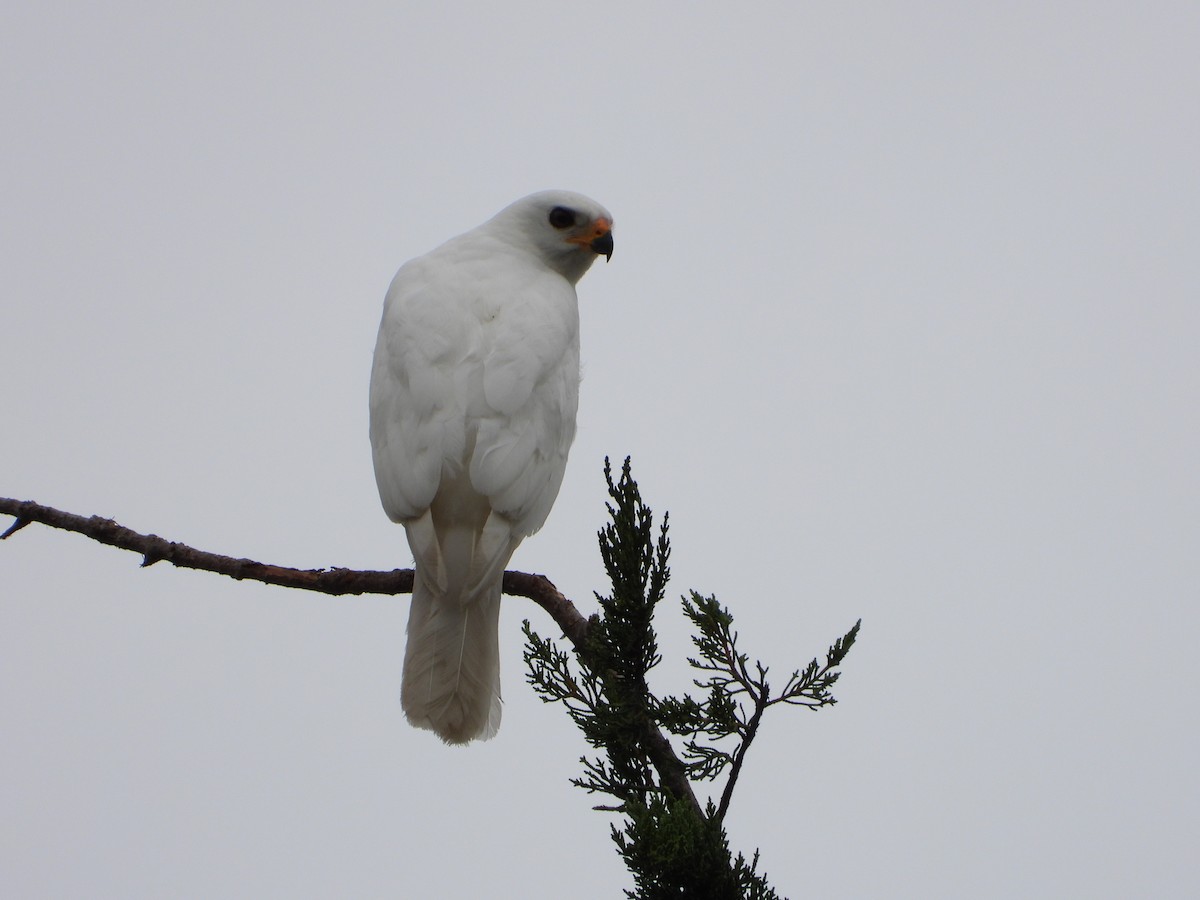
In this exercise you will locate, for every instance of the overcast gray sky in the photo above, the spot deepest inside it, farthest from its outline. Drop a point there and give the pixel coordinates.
(902, 323)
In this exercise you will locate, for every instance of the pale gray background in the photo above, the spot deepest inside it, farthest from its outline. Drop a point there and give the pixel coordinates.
(902, 323)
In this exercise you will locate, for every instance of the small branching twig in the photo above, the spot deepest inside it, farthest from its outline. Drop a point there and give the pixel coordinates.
(737, 696)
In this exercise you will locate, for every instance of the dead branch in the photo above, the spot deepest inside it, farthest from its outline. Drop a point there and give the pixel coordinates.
(335, 581)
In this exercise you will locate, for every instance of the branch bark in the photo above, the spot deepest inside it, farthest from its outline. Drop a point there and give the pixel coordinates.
(337, 582)
(334, 581)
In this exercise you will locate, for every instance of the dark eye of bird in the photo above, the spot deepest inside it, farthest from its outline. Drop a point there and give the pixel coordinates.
(561, 217)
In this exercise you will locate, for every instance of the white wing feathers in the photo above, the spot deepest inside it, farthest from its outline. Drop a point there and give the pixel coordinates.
(474, 391)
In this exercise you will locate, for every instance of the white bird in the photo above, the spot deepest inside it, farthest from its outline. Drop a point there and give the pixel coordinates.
(474, 391)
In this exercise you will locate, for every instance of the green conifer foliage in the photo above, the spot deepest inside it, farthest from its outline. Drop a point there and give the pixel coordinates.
(673, 846)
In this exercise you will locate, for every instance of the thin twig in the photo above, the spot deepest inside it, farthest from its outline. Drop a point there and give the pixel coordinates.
(739, 756)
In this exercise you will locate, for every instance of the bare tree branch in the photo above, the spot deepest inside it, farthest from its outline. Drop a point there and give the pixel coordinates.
(335, 581)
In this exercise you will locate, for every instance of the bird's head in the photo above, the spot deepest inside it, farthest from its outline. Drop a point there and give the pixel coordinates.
(567, 230)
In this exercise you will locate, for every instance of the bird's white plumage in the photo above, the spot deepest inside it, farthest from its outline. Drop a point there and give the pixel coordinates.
(474, 391)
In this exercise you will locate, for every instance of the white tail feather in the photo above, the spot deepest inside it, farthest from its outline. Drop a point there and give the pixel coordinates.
(451, 679)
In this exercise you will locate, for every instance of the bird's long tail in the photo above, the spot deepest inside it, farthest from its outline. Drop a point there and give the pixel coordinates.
(451, 681)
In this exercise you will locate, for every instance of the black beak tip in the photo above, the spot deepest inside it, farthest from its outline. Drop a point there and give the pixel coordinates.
(604, 245)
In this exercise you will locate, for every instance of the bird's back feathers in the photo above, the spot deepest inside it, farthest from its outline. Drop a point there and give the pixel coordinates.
(474, 391)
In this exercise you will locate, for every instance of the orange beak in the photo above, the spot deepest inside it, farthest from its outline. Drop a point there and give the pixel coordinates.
(598, 238)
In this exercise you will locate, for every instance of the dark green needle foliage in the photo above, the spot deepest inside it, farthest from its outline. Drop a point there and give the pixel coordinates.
(673, 846)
